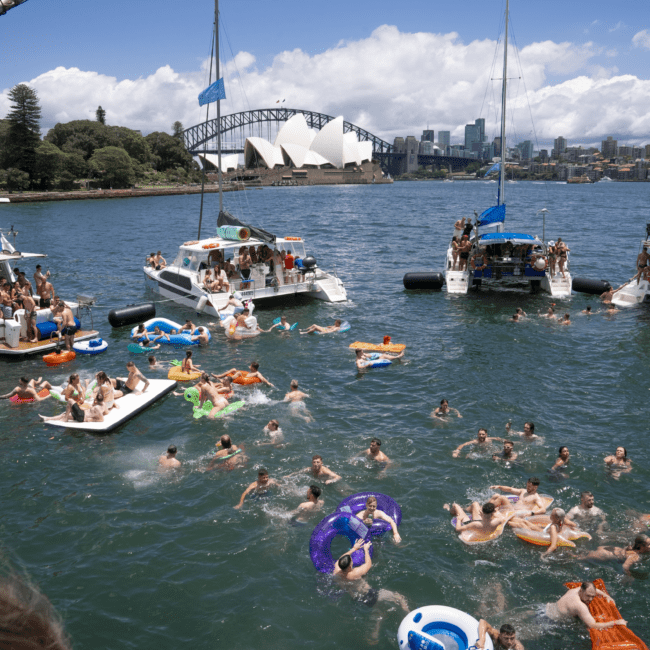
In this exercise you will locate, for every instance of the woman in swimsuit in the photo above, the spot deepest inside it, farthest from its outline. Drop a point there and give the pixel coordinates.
(619, 463)
(552, 254)
(627, 556)
(562, 250)
(187, 365)
(562, 459)
(444, 410)
(74, 390)
(104, 384)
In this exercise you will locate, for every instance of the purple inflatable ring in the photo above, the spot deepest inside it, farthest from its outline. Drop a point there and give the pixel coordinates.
(357, 503)
(338, 523)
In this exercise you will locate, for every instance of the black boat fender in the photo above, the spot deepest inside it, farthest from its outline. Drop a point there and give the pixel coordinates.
(132, 314)
(424, 280)
(586, 285)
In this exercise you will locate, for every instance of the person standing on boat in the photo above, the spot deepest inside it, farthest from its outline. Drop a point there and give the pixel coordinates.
(5, 299)
(642, 262)
(39, 278)
(459, 226)
(562, 250)
(463, 252)
(29, 305)
(46, 292)
(68, 326)
(552, 256)
(245, 262)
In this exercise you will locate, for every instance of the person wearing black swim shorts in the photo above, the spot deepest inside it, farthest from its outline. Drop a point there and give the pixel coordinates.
(74, 412)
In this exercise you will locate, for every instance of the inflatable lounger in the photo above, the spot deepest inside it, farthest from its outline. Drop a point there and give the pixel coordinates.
(373, 347)
(130, 405)
(477, 537)
(618, 637)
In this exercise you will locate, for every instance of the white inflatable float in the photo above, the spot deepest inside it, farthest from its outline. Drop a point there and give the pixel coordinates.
(129, 406)
(437, 627)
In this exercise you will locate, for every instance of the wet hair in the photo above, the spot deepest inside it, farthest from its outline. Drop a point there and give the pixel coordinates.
(345, 562)
(482, 429)
(24, 380)
(255, 366)
(588, 308)
(226, 442)
(371, 500)
(377, 440)
(444, 401)
(172, 449)
(585, 585)
(262, 472)
(559, 513)
(561, 448)
(27, 618)
(188, 354)
(276, 423)
(315, 490)
(488, 508)
(640, 541)
(152, 359)
(508, 442)
(337, 322)
(315, 456)
(624, 451)
(294, 383)
(531, 425)
(506, 628)
(586, 493)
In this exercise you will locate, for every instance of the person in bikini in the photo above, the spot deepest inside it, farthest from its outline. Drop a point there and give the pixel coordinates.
(27, 389)
(627, 556)
(209, 392)
(75, 389)
(105, 385)
(370, 513)
(125, 386)
(187, 366)
(444, 410)
(619, 463)
(74, 412)
(323, 330)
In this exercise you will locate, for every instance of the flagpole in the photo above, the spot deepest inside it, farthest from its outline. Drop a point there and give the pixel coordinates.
(216, 27)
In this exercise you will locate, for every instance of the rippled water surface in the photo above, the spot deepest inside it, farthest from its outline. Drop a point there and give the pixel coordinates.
(136, 558)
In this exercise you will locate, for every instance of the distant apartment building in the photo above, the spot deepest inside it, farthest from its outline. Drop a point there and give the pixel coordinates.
(559, 146)
(609, 147)
(475, 134)
(444, 138)
(427, 136)
(647, 151)
(624, 151)
(525, 150)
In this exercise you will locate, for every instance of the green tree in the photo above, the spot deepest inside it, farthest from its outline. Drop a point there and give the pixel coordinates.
(49, 161)
(75, 165)
(100, 115)
(24, 130)
(82, 136)
(133, 142)
(177, 130)
(4, 133)
(169, 152)
(113, 167)
(17, 180)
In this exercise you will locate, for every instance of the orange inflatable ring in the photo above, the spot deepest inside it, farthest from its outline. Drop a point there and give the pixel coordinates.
(176, 373)
(293, 239)
(207, 246)
(20, 400)
(244, 379)
(54, 359)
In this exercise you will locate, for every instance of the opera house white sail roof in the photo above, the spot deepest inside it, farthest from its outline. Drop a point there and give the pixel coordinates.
(297, 145)
(227, 162)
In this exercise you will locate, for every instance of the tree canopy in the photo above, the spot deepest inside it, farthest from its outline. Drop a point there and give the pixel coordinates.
(113, 167)
(100, 115)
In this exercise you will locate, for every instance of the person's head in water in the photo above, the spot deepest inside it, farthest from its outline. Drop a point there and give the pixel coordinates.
(152, 360)
(294, 384)
(621, 453)
(375, 444)
(529, 428)
(337, 323)
(482, 435)
(226, 442)
(171, 450)
(273, 425)
(507, 636)
(315, 492)
(587, 592)
(563, 452)
(587, 499)
(262, 476)
(345, 563)
(444, 405)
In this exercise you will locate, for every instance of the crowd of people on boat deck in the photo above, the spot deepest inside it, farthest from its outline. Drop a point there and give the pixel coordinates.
(555, 256)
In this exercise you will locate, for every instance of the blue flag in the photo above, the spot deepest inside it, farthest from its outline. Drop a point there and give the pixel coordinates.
(494, 168)
(213, 93)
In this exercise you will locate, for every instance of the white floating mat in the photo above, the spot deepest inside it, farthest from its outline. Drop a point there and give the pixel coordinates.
(130, 405)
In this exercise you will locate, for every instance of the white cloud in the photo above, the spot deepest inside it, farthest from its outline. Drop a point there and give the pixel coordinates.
(619, 25)
(642, 39)
(391, 83)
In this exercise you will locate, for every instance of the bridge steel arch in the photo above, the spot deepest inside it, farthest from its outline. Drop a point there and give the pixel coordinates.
(197, 135)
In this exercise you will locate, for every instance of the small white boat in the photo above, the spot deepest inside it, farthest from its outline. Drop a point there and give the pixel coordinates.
(4, 200)
(606, 179)
(634, 292)
(129, 406)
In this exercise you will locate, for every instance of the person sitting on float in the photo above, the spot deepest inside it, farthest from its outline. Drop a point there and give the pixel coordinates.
(372, 512)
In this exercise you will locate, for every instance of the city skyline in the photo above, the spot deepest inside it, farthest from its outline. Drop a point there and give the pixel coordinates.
(393, 71)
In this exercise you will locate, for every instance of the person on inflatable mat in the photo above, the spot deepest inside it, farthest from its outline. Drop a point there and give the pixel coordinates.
(371, 513)
(261, 486)
(323, 330)
(485, 518)
(210, 392)
(505, 637)
(363, 360)
(74, 412)
(253, 371)
(575, 604)
(125, 386)
(26, 389)
(188, 365)
(529, 502)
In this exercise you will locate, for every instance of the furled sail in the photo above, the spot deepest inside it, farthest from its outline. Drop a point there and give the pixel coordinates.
(226, 219)
(495, 214)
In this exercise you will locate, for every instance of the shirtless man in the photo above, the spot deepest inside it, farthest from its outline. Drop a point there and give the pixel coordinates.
(529, 502)
(313, 504)
(229, 455)
(74, 412)
(260, 486)
(209, 392)
(245, 262)
(188, 327)
(586, 507)
(318, 470)
(202, 336)
(29, 305)
(575, 604)
(67, 324)
(627, 556)
(370, 513)
(25, 284)
(374, 452)
(39, 278)
(169, 459)
(482, 440)
(485, 518)
(363, 361)
(323, 330)
(45, 291)
(294, 394)
(508, 452)
(566, 320)
(5, 299)
(159, 261)
(527, 434)
(607, 296)
(505, 638)
(26, 389)
(253, 371)
(642, 261)
(128, 385)
(235, 301)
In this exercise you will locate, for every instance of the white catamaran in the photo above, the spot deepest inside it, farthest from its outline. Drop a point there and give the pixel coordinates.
(258, 265)
(496, 257)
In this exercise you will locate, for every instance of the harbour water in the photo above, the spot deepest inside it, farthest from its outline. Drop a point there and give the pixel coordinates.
(137, 558)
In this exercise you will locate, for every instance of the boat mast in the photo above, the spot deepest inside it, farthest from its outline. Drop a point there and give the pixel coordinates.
(216, 32)
(502, 174)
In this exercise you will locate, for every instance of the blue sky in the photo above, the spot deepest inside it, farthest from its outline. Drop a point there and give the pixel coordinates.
(122, 41)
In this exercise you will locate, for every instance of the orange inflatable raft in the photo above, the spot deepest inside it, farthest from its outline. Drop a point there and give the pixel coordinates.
(378, 347)
(244, 379)
(617, 637)
(54, 359)
(21, 400)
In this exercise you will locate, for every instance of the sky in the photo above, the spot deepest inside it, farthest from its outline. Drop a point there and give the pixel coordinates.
(393, 68)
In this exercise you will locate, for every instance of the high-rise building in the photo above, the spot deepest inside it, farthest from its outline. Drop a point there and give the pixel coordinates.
(559, 145)
(609, 147)
(427, 136)
(647, 151)
(472, 135)
(525, 149)
(444, 138)
(480, 124)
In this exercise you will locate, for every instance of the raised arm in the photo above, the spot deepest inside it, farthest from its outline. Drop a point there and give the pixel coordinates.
(505, 488)
(484, 628)
(247, 491)
(361, 571)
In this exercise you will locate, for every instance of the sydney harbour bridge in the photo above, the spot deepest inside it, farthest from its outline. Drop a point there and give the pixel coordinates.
(266, 122)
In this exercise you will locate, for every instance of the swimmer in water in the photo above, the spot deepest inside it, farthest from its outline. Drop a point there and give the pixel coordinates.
(514, 319)
(485, 518)
(562, 460)
(202, 336)
(169, 459)
(508, 452)
(566, 320)
(318, 470)
(272, 429)
(619, 463)
(505, 637)
(482, 440)
(296, 397)
(587, 310)
(527, 434)
(154, 364)
(528, 501)
(611, 309)
(229, 455)
(521, 313)
(260, 486)
(550, 314)
(575, 604)
(375, 453)
(363, 360)
(323, 330)
(371, 512)
(628, 556)
(586, 507)
(313, 504)
(444, 410)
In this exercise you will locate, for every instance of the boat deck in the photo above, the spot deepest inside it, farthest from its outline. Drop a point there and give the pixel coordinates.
(25, 347)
